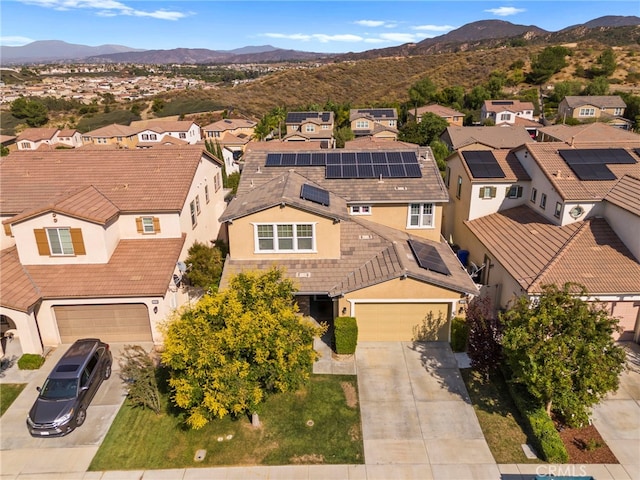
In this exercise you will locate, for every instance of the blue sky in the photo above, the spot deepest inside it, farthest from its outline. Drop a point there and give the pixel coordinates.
(333, 26)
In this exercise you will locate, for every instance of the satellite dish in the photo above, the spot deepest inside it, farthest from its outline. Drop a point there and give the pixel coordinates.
(182, 267)
(576, 211)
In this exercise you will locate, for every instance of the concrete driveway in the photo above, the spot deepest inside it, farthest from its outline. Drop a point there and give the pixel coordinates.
(416, 411)
(21, 454)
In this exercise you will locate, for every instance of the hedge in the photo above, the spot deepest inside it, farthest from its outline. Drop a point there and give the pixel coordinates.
(547, 440)
(346, 335)
(459, 334)
(30, 361)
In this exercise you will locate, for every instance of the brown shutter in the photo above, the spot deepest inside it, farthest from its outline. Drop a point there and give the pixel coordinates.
(506, 194)
(76, 240)
(481, 192)
(139, 224)
(42, 242)
(156, 224)
(493, 192)
(7, 229)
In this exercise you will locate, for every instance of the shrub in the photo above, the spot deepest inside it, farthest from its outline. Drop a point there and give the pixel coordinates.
(30, 361)
(346, 335)
(139, 376)
(547, 441)
(459, 334)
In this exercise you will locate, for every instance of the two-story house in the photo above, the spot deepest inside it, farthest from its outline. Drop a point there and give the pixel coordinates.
(453, 117)
(94, 241)
(381, 123)
(310, 127)
(609, 108)
(567, 215)
(120, 136)
(34, 138)
(358, 231)
(505, 136)
(232, 134)
(153, 132)
(588, 135)
(505, 111)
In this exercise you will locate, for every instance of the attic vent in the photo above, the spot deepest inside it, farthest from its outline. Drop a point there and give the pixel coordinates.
(365, 237)
(400, 188)
(303, 274)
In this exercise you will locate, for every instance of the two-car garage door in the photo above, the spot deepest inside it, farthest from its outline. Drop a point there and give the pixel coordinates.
(392, 322)
(110, 323)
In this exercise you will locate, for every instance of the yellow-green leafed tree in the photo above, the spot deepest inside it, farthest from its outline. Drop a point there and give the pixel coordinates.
(237, 346)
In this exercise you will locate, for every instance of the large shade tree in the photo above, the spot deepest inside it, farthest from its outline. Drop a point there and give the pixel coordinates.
(226, 354)
(560, 347)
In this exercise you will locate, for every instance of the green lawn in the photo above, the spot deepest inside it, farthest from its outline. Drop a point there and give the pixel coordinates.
(138, 439)
(498, 416)
(8, 393)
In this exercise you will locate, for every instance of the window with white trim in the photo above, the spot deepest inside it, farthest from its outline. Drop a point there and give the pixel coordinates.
(488, 192)
(206, 193)
(392, 123)
(216, 182)
(505, 116)
(60, 242)
(618, 111)
(285, 237)
(420, 215)
(534, 195)
(325, 126)
(147, 225)
(587, 112)
(25, 145)
(360, 209)
(558, 210)
(459, 187)
(194, 215)
(310, 127)
(182, 135)
(514, 191)
(198, 204)
(362, 124)
(543, 201)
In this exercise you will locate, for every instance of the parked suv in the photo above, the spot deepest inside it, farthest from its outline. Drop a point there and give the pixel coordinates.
(62, 403)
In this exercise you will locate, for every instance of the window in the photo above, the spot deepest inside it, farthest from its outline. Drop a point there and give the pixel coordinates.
(514, 191)
(119, 139)
(505, 117)
(194, 215)
(147, 225)
(360, 210)
(459, 188)
(543, 201)
(60, 242)
(618, 111)
(488, 192)
(325, 127)
(216, 182)
(587, 112)
(558, 210)
(25, 146)
(362, 124)
(206, 193)
(392, 123)
(420, 215)
(198, 204)
(286, 237)
(534, 195)
(310, 128)
(183, 135)
(447, 177)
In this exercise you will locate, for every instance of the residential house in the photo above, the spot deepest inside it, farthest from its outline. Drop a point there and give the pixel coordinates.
(153, 132)
(453, 117)
(233, 135)
(34, 138)
(358, 231)
(121, 136)
(69, 137)
(94, 240)
(381, 123)
(608, 108)
(505, 136)
(9, 142)
(505, 111)
(542, 213)
(588, 135)
(310, 127)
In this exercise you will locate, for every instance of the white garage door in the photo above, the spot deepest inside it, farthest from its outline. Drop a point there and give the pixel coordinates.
(391, 322)
(110, 323)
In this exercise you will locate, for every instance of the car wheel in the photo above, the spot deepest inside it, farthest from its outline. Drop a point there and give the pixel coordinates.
(107, 371)
(81, 416)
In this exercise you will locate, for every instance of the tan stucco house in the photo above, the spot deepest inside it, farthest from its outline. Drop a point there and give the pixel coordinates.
(453, 117)
(357, 230)
(380, 123)
(310, 127)
(93, 240)
(591, 107)
(233, 135)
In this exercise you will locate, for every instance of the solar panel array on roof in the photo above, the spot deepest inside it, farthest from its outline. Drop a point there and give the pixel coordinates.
(428, 257)
(353, 164)
(380, 112)
(502, 102)
(591, 164)
(482, 164)
(299, 117)
(314, 194)
(637, 150)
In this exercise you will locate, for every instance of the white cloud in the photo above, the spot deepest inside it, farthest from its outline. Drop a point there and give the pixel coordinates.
(320, 37)
(434, 28)
(370, 23)
(15, 41)
(401, 37)
(505, 11)
(106, 8)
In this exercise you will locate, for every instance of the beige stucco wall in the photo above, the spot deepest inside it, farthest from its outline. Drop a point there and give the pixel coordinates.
(626, 225)
(397, 215)
(27, 330)
(242, 240)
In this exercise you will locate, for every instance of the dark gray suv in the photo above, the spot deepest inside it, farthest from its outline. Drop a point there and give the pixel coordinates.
(62, 403)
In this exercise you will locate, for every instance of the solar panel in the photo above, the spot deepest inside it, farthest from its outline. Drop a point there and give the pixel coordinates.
(394, 157)
(482, 164)
(314, 194)
(318, 159)
(591, 164)
(409, 157)
(637, 150)
(273, 159)
(428, 257)
(413, 170)
(365, 171)
(348, 158)
(333, 171)
(363, 157)
(333, 158)
(380, 169)
(303, 159)
(379, 157)
(350, 170)
(592, 171)
(397, 171)
(620, 156)
(502, 102)
(288, 159)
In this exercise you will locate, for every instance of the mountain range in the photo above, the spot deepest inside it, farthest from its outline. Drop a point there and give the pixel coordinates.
(480, 34)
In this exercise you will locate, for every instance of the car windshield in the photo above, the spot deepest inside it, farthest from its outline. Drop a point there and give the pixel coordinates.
(54, 389)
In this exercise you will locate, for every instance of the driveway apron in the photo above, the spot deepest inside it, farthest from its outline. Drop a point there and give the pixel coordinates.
(415, 410)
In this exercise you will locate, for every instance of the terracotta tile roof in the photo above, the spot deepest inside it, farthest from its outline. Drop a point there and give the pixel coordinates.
(373, 143)
(439, 110)
(535, 252)
(7, 139)
(37, 134)
(592, 134)
(67, 132)
(502, 136)
(231, 139)
(113, 130)
(626, 194)
(167, 140)
(161, 126)
(602, 101)
(525, 122)
(500, 106)
(150, 180)
(561, 176)
(18, 291)
(512, 168)
(229, 124)
(88, 204)
(428, 188)
(375, 114)
(370, 254)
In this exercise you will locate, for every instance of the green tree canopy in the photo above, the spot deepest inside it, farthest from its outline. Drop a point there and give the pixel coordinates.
(422, 92)
(205, 265)
(597, 86)
(237, 346)
(34, 112)
(423, 133)
(551, 60)
(605, 64)
(561, 349)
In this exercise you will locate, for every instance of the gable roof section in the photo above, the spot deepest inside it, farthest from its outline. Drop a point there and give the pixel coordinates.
(600, 101)
(37, 134)
(19, 292)
(162, 126)
(133, 180)
(592, 134)
(296, 118)
(626, 194)
(514, 106)
(376, 114)
(494, 137)
(587, 252)
(564, 179)
(229, 124)
(437, 109)
(113, 130)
